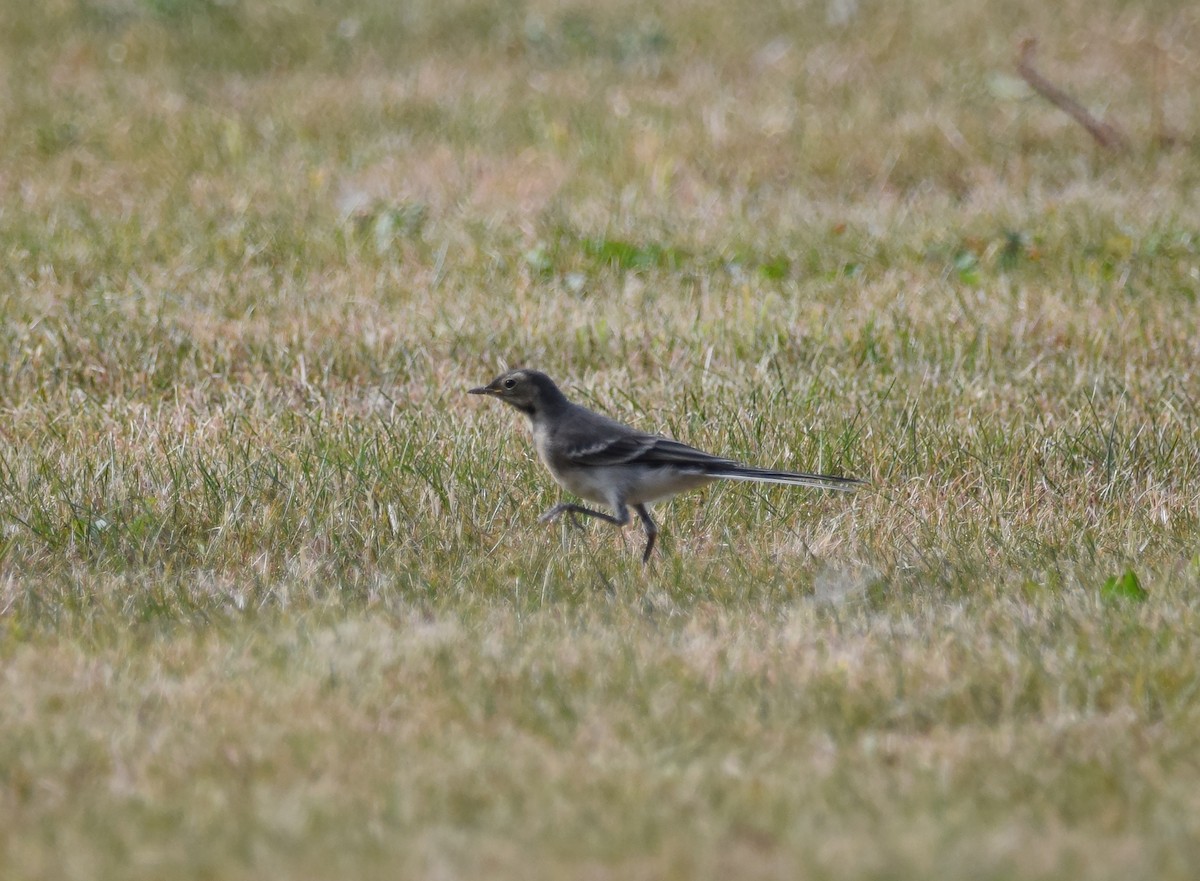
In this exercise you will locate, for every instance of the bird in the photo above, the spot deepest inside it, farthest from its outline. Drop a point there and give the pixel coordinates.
(605, 461)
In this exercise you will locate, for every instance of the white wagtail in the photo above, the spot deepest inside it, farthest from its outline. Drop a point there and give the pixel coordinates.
(601, 460)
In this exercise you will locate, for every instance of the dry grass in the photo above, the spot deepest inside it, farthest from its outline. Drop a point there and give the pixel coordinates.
(273, 598)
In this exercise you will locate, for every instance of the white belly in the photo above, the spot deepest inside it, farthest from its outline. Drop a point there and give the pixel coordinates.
(614, 485)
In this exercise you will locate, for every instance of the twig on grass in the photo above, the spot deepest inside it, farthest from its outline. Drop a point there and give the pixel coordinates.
(1106, 134)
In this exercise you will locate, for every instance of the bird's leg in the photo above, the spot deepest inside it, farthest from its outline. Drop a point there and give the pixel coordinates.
(557, 511)
(565, 508)
(651, 530)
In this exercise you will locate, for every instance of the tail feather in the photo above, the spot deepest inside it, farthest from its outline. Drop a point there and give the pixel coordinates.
(788, 478)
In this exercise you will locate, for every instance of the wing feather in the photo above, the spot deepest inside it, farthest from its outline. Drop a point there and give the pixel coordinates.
(644, 449)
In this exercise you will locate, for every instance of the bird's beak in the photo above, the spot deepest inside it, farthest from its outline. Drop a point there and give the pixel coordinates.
(482, 390)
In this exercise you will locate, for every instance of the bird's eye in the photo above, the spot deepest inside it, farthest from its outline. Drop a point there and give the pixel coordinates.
(510, 383)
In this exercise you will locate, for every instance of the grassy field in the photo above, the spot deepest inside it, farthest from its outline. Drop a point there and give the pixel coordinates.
(274, 601)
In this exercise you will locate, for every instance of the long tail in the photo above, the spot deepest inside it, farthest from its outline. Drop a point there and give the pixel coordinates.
(788, 478)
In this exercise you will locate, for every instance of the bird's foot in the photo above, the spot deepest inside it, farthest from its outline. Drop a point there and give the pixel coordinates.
(557, 511)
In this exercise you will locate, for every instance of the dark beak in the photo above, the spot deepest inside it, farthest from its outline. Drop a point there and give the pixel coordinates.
(482, 390)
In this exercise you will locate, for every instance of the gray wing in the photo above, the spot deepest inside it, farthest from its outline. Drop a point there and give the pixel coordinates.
(599, 441)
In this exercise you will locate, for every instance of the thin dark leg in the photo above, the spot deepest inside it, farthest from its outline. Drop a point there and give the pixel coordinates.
(651, 530)
(564, 508)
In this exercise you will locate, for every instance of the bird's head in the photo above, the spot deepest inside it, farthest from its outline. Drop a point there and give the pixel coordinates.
(530, 391)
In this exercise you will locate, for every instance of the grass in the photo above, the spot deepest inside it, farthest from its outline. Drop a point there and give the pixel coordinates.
(273, 597)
